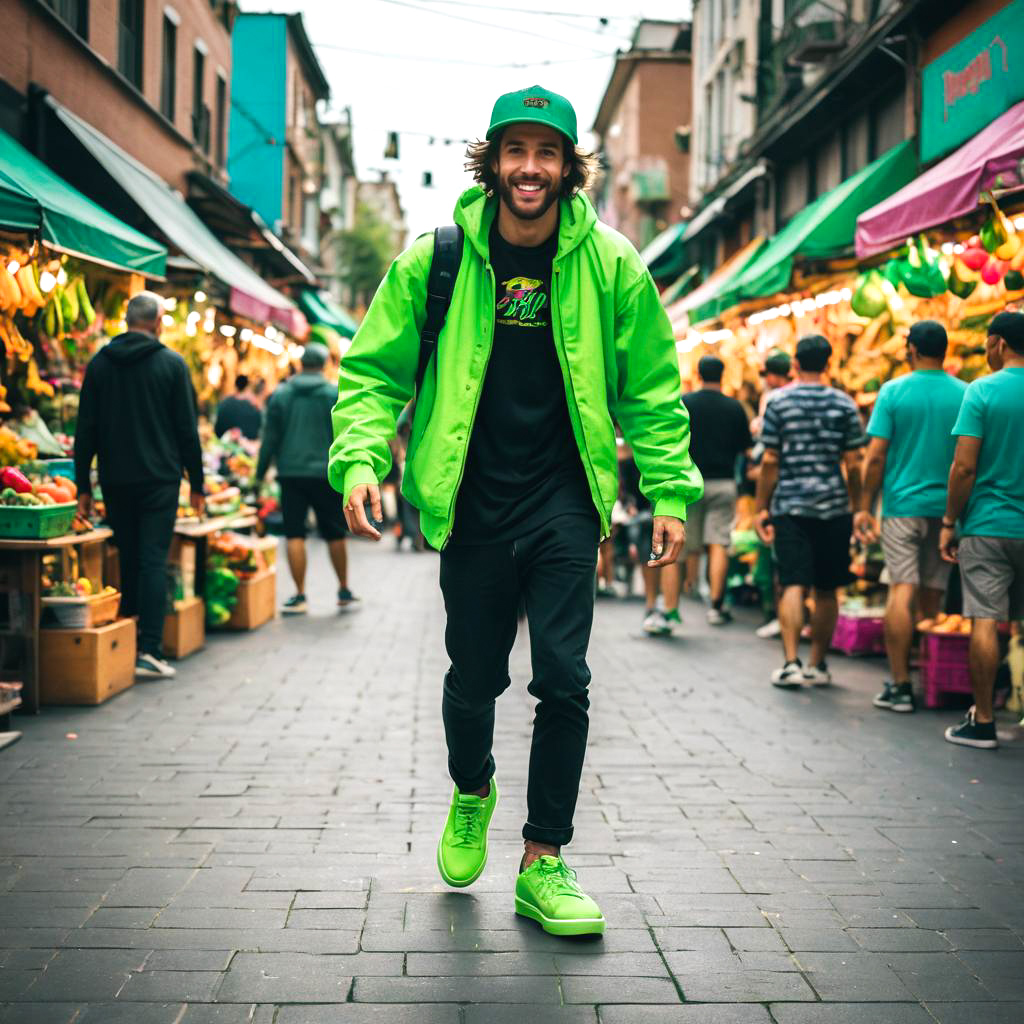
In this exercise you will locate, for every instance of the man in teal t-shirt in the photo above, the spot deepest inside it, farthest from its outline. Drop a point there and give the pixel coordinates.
(909, 456)
(986, 492)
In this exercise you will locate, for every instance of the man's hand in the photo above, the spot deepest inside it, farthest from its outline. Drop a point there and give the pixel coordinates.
(85, 505)
(948, 543)
(197, 501)
(667, 540)
(355, 513)
(865, 526)
(764, 527)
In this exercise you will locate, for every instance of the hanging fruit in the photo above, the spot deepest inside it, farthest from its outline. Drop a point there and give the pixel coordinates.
(924, 277)
(962, 280)
(868, 295)
(974, 255)
(993, 271)
(1013, 280)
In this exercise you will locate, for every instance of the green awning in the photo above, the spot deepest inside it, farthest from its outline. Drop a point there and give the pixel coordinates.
(320, 308)
(675, 291)
(708, 300)
(825, 229)
(68, 221)
(664, 255)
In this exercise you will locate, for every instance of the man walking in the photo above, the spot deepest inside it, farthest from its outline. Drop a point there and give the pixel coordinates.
(239, 410)
(555, 332)
(137, 417)
(811, 433)
(908, 457)
(986, 493)
(297, 437)
(719, 435)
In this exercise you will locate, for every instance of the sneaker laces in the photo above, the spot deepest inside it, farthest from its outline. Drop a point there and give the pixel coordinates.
(556, 878)
(468, 824)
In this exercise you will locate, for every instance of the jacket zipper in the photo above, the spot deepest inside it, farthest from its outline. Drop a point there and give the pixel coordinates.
(472, 418)
(582, 441)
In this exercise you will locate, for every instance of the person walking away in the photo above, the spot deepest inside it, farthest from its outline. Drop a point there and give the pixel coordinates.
(908, 458)
(137, 417)
(986, 493)
(720, 434)
(811, 434)
(555, 333)
(239, 410)
(777, 374)
(297, 436)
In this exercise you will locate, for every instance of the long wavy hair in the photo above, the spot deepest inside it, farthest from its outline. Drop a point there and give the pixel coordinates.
(482, 156)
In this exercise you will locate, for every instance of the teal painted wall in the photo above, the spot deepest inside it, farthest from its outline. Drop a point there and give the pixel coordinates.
(256, 167)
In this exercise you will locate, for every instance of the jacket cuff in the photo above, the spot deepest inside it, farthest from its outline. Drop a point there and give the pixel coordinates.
(355, 475)
(673, 505)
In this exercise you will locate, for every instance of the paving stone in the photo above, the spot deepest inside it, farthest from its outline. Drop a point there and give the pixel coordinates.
(493, 1013)
(189, 960)
(618, 990)
(355, 1014)
(123, 917)
(822, 940)
(86, 975)
(743, 1014)
(754, 939)
(861, 977)
(285, 978)
(346, 920)
(458, 989)
(984, 939)
(132, 1013)
(181, 986)
(972, 1013)
(851, 1013)
(745, 985)
(39, 1013)
(899, 940)
(228, 1013)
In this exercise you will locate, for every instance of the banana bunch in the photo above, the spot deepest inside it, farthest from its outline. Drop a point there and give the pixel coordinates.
(31, 297)
(13, 341)
(10, 293)
(36, 383)
(69, 308)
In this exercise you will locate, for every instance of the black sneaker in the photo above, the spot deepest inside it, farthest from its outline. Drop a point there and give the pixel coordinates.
(295, 605)
(346, 597)
(790, 676)
(903, 699)
(884, 699)
(971, 733)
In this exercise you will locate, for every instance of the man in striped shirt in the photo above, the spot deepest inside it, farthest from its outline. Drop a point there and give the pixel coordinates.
(811, 433)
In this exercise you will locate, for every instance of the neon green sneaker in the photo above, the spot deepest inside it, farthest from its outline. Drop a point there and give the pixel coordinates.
(547, 892)
(462, 851)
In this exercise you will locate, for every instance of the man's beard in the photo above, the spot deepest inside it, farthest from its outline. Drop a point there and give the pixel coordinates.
(507, 193)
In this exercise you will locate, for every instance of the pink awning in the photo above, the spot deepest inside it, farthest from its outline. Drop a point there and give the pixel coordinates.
(949, 189)
(256, 307)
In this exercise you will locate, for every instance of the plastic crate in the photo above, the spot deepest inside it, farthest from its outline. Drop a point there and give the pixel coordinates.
(36, 522)
(944, 666)
(51, 468)
(859, 635)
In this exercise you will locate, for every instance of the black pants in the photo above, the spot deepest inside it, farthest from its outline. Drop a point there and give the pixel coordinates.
(552, 570)
(142, 517)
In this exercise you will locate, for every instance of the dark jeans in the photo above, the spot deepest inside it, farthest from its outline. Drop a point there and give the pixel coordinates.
(552, 570)
(142, 517)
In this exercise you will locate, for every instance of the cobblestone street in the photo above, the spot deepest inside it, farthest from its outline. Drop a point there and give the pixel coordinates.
(254, 841)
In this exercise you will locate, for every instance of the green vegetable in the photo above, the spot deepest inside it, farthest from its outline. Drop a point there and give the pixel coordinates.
(993, 233)
(868, 295)
(959, 286)
(924, 278)
(1014, 280)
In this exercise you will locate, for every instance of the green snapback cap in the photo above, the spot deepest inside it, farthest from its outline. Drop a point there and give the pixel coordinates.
(535, 104)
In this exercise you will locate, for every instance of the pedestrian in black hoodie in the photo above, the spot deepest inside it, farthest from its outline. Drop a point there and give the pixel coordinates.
(137, 416)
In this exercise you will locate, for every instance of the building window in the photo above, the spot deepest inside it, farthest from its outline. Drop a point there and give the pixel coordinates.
(222, 103)
(129, 40)
(74, 14)
(200, 111)
(169, 70)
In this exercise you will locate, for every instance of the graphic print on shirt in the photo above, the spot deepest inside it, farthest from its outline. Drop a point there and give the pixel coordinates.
(524, 303)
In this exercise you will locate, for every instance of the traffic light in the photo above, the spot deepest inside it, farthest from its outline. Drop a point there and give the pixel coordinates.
(391, 149)
(428, 179)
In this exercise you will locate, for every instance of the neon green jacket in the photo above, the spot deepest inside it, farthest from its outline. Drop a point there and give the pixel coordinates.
(615, 347)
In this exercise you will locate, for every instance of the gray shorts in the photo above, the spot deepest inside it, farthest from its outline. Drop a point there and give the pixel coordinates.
(992, 569)
(710, 520)
(911, 548)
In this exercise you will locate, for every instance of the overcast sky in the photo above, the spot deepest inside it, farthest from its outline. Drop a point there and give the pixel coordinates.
(450, 94)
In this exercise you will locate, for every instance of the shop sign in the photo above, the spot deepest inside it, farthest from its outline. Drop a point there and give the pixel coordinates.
(972, 83)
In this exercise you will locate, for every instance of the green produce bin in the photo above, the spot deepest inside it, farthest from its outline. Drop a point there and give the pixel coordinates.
(36, 522)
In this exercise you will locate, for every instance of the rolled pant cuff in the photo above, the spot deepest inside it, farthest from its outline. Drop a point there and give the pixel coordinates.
(464, 785)
(548, 836)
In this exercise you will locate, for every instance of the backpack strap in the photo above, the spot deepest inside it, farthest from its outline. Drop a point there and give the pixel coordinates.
(444, 269)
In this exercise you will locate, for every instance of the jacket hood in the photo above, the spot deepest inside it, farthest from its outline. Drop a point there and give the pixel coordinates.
(475, 212)
(131, 347)
(307, 381)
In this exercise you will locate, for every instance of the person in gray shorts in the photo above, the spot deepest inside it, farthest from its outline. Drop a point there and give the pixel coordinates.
(986, 493)
(909, 454)
(719, 434)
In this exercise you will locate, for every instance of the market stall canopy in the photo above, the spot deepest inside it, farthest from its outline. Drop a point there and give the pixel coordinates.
(677, 289)
(949, 189)
(664, 256)
(718, 204)
(250, 295)
(33, 198)
(824, 229)
(320, 308)
(703, 302)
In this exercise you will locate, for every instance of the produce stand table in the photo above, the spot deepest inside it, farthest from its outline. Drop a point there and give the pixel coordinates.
(21, 564)
(200, 531)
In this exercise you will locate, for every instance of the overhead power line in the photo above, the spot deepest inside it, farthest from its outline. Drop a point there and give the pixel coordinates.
(604, 19)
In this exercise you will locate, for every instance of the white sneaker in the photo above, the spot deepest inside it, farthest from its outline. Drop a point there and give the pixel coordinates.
(790, 676)
(719, 616)
(769, 631)
(655, 623)
(818, 675)
(149, 666)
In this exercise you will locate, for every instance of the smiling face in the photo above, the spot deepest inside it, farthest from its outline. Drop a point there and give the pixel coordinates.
(530, 167)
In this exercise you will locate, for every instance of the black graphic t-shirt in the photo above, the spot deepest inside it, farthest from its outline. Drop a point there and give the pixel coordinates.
(523, 466)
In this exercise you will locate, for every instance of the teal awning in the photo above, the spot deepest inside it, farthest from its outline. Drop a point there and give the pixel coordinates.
(707, 300)
(825, 229)
(33, 198)
(320, 308)
(664, 255)
(675, 291)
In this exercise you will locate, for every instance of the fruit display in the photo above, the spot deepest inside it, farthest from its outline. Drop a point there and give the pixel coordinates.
(80, 588)
(946, 624)
(15, 450)
(22, 490)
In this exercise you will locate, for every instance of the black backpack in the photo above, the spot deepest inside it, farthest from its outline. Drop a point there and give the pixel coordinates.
(444, 269)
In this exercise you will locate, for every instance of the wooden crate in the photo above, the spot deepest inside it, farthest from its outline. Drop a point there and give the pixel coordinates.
(257, 601)
(81, 612)
(185, 628)
(86, 666)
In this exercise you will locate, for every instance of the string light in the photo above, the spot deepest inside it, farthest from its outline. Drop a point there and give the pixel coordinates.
(800, 307)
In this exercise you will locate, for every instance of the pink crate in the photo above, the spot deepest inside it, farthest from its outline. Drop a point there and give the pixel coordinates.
(944, 666)
(858, 635)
